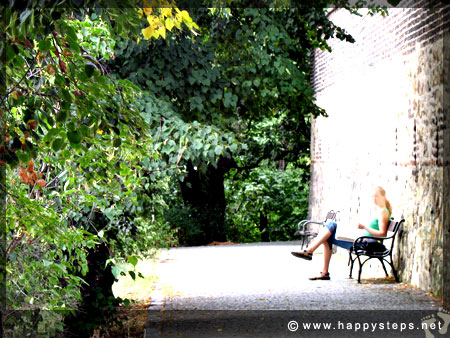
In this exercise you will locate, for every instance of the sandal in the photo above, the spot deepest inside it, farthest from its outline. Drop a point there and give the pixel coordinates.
(303, 254)
(323, 276)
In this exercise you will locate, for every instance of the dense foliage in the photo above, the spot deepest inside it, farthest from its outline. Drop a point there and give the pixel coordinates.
(75, 152)
(267, 204)
(247, 75)
(125, 129)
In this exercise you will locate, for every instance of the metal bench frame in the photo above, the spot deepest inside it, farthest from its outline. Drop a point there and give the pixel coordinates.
(307, 233)
(357, 252)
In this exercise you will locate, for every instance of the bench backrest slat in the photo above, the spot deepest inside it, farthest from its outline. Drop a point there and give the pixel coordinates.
(393, 227)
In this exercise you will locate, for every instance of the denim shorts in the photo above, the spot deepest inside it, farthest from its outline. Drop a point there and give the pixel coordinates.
(332, 226)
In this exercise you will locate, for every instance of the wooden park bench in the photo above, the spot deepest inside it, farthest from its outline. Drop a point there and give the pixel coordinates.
(356, 252)
(307, 232)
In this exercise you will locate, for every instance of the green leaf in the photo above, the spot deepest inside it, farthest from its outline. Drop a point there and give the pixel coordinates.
(84, 130)
(132, 260)
(71, 32)
(74, 137)
(19, 61)
(61, 116)
(66, 95)
(218, 150)
(132, 274)
(44, 45)
(65, 105)
(116, 270)
(60, 80)
(109, 212)
(206, 81)
(66, 154)
(73, 44)
(57, 144)
(23, 156)
(10, 53)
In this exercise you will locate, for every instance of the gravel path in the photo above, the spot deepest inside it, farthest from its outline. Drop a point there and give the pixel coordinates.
(265, 276)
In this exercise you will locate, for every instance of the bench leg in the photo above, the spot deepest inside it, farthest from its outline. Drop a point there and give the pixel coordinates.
(350, 262)
(361, 266)
(360, 269)
(384, 267)
(303, 241)
(391, 263)
(308, 240)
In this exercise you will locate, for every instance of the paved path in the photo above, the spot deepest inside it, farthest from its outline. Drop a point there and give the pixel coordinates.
(265, 276)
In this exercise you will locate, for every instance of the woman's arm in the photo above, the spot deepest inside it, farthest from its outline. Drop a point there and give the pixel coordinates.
(383, 221)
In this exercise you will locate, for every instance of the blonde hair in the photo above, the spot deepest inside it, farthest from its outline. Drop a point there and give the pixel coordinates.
(388, 204)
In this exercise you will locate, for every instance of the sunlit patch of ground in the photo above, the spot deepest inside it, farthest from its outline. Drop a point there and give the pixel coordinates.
(140, 289)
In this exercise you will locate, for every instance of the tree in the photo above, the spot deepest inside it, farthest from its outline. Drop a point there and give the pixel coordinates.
(246, 73)
(74, 150)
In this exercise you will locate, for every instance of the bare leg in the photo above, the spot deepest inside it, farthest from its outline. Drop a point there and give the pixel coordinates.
(321, 238)
(326, 257)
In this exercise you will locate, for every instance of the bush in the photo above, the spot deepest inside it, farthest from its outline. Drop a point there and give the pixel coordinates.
(193, 227)
(267, 205)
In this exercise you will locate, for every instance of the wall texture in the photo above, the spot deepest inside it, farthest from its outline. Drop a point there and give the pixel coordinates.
(384, 98)
(446, 183)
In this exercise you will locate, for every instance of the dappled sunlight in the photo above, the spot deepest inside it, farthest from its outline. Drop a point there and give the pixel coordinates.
(137, 290)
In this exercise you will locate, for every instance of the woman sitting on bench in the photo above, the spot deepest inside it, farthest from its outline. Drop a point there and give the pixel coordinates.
(326, 236)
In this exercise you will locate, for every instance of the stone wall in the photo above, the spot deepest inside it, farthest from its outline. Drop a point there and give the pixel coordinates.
(386, 123)
(446, 183)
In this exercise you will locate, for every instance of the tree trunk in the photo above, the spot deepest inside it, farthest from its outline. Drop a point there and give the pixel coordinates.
(204, 192)
(263, 227)
(98, 301)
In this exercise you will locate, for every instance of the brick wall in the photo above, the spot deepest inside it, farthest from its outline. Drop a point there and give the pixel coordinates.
(384, 96)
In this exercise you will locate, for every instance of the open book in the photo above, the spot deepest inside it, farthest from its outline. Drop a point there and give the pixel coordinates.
(347, 232)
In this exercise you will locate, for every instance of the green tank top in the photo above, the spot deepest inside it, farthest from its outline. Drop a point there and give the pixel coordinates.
(374, 225)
